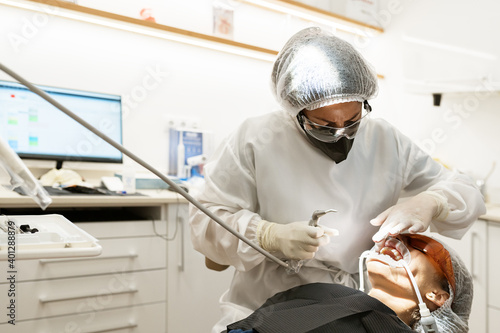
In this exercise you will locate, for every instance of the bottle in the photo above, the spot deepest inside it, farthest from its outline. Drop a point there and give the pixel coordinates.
(128, 179)
(181, 156)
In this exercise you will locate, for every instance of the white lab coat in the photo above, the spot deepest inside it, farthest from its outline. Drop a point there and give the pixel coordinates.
(267, 169)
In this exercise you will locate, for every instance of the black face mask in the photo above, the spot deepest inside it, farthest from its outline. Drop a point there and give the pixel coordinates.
(337, 151)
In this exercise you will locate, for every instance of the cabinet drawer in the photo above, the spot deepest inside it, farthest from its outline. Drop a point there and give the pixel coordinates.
(118, 255)
(56, 297)
(139, 319)
(493, 267)
(118, 229)
(493, 320)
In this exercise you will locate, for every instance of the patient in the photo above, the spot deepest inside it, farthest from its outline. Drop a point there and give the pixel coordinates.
(390, 306)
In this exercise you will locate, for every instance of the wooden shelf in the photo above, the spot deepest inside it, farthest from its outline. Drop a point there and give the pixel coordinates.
(161, 27)
(334, 16)
(191, 34)
(65, 5)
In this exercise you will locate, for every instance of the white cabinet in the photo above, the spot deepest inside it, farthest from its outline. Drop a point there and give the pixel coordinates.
(119, 254)
(147, 279)
(493, 320)
(143, 318)
(54, 297)
(478, 265)
(494, 276)
(480, 249)
(193, 289)
(123, 290)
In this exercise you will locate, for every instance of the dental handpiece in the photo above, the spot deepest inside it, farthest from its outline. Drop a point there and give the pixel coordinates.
(317, 214)
(295, 265)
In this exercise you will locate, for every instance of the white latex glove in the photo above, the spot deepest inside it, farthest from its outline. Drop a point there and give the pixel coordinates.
(414, 215)
(295, 240)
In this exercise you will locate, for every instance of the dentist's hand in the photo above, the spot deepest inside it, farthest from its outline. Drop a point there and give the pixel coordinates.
(414, 215)
(295, 240)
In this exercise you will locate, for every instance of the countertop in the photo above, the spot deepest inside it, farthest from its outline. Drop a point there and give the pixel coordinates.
(151, 198)
(492, 213)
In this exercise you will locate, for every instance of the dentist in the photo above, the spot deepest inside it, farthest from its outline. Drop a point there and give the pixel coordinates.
(320, 151)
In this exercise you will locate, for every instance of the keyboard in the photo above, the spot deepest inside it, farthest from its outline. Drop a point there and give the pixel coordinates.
(79, 190)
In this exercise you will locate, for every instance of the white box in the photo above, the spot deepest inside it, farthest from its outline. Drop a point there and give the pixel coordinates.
(194, 143)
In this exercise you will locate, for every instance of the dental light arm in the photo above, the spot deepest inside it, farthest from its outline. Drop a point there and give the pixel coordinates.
(21, 176)
(142, 163)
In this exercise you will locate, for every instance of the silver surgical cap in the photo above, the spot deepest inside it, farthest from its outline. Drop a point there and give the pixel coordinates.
(453, 315)
(316, 69)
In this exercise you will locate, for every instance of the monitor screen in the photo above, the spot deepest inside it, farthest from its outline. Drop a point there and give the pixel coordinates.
(35, 129)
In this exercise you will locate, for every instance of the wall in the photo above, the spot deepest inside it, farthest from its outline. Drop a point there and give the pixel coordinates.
(252, 24)
(156, 77)
(442, 44)
(446, 40)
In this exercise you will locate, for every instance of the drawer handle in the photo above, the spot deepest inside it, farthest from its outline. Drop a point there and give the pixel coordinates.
(110, 329)
(125, 256)
(48, 299)
(473, 238)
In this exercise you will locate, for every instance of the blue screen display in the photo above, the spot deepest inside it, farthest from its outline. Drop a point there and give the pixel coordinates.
(36, 129)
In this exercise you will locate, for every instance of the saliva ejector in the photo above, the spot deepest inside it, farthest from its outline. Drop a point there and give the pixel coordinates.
(396, 254)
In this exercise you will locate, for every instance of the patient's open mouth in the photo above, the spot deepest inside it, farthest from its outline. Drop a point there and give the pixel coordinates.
(391, 252)
(394, 248)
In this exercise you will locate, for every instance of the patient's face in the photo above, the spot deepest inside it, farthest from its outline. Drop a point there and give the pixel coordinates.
(396, 281)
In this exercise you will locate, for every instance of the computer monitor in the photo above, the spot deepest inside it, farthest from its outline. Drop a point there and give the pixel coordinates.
(35, 129)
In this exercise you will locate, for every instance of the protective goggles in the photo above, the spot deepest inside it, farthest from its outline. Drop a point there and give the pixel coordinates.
(435, 250)
(332, 134)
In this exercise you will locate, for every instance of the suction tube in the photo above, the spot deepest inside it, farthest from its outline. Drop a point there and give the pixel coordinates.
(427, 321)
(142, 163)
